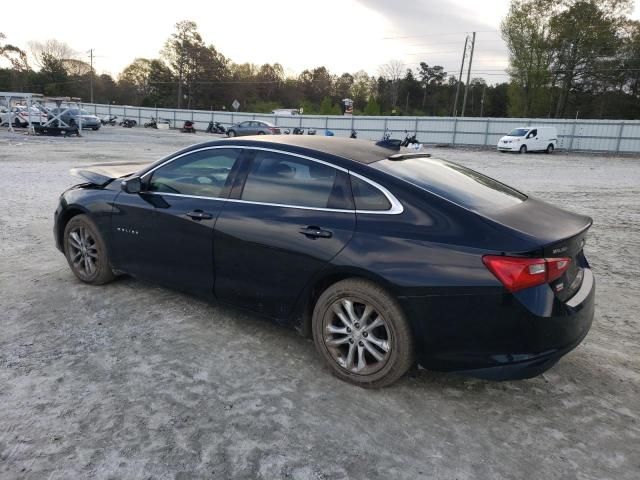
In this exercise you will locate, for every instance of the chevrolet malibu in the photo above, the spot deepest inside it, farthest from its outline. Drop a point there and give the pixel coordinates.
(385, 258)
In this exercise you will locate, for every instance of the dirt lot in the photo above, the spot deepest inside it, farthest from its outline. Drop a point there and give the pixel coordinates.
(134, 381)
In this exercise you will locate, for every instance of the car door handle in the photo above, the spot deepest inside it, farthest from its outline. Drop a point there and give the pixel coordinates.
(199, 215)
(316, 232)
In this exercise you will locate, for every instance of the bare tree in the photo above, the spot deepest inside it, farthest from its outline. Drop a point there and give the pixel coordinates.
(50, 51)
(393, 71)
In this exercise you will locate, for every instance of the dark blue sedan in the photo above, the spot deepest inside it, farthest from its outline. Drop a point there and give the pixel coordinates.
(386, 258)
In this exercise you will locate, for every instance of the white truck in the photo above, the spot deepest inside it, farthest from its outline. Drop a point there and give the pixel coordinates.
(529, 139)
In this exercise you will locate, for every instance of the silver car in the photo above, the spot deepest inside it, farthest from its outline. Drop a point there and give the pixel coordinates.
(71, 117)
(252, 127)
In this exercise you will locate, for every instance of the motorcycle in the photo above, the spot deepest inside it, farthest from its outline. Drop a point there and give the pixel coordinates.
(216, 127)
(151, 124)
(298, 131)
(388, 142)
(311, 131)
(109, 120)
(354, 134)
(128, 123)
(188, 127)
(410, 141)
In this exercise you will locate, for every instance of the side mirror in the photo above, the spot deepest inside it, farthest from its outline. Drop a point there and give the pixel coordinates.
(131, 185)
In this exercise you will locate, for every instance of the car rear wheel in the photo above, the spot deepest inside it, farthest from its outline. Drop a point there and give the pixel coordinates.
(86, 251)
(549, 149)
(261, 133)
(362, 334)
(523, 149)
(231, 133)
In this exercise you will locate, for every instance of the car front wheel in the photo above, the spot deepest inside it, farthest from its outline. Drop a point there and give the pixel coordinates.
(231, 133)
(362, 334)
(523, 149)
(86, 252)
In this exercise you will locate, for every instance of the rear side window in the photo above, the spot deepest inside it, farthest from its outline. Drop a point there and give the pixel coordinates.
(288, 180)
(368, 197)
(458, 184)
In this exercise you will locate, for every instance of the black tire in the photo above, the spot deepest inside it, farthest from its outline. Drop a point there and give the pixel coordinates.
(549, 149)
(261, 133)
(523, 149)
(231, 133)
(396, 332)
(17, 124)
(95, 129)
(77, 246)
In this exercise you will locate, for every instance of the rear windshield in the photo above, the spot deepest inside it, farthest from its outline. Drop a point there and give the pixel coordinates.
(453, 182)
(518, 132)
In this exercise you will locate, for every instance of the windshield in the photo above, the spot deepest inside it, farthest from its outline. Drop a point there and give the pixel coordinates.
(518, 132)
(458, 184)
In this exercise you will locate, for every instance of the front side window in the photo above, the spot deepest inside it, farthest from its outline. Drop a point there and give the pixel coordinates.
(202, 174)
(288, 180)
(533, 133)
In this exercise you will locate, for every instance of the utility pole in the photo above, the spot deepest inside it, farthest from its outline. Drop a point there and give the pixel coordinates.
(466, 87)
(464, 54)
(91, 77)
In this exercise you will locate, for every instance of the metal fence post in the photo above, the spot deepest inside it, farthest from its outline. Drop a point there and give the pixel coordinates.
(619, 137)
(573, 132)
(486, 133)
(455, 130)
(174, 119)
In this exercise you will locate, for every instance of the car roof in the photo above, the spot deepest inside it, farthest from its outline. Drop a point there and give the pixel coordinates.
(361, 151)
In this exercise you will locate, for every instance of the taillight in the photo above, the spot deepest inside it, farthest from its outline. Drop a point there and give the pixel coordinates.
(517, 273)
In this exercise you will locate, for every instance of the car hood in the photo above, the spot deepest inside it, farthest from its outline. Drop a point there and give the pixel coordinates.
(509, 137)
(102, 173)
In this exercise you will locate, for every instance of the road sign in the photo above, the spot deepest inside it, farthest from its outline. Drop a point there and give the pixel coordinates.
(235, 105)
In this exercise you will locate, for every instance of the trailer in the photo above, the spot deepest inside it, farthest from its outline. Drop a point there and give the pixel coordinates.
(54, 124)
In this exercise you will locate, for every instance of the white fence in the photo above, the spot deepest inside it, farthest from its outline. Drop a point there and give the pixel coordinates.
(616, 136)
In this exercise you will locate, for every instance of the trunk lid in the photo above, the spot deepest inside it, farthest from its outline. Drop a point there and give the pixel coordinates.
(550, 232)
(102, 173)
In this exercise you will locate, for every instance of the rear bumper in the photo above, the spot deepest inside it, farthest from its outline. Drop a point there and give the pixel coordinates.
(498, 336)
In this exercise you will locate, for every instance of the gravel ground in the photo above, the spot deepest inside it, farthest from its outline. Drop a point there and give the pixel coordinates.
(134, 381)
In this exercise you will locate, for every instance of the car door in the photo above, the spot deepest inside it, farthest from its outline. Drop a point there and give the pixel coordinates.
(178, 209)
(287, 217)
(244, 128)
(533, 141)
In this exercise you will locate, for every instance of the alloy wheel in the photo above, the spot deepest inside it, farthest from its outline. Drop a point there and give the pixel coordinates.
(83, 251)
(357, 336)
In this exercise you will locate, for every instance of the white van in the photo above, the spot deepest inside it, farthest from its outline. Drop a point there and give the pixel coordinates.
(529, 139)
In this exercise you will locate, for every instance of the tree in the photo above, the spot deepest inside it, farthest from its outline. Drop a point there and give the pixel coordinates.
(526, 33)
(372, 107)
(16, 57)
(584, 37)
(182, 51)
(430, 76)
(392, 72)
(361, 89)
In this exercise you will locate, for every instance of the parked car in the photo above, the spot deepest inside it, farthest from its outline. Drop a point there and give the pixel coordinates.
(19, 116)
(384, 258)
(285, 111)
(252, 127)
(71, 117)
(529, 139)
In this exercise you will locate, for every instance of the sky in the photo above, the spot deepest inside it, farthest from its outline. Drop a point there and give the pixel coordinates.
(343, 35)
